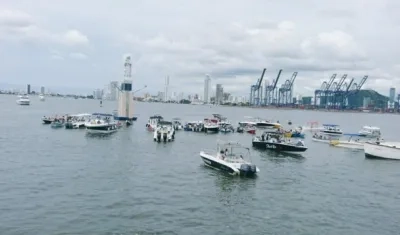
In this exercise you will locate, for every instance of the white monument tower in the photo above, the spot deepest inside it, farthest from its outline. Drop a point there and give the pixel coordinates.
(125, 98)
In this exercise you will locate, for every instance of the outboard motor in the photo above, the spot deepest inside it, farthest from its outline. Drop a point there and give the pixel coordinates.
(253, 168)
(158, 136)
(245, 167)
(165, 137)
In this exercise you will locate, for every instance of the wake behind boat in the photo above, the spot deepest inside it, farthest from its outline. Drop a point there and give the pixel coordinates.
(228, 158)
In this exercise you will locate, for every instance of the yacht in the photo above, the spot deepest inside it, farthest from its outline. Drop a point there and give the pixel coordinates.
(101, 124)
(211, 125)
(177, 124)
(370, 132)
(331, 129)
(152, 123)
(77, 121)
(382, 150)
(276, 142)
(352, 142)
(41, 97)
(164, 132)
(229, 158)
(23, 100)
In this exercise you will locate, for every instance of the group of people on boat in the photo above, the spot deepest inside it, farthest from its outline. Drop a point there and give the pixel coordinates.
(224, 153)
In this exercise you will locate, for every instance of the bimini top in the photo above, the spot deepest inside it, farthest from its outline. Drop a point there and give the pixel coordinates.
(372, 128)
(331, 125)
(156, 117)
(102, 114)
(166, 123)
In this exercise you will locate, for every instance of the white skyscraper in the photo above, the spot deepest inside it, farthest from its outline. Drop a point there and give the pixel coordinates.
(166, 97)
(207, 89)
(113, 90)
(125, 98)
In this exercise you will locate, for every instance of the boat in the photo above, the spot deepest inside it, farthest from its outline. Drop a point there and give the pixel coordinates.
(248, 121)
(211, 125)
(152, 123)
(176, 123)
(23, 100)
(382, 150)
(251, 129)
(196, 126)
(41, 97)
(370, 132)
(77, 121)
(353, 143)
(276, 142)
(230, 158)
(101, 124)
(47, 120)
(260, 123)
(57, 123)
(226, 128)
(240, 129)
(331, 129)
(164, 132)
(323, 138)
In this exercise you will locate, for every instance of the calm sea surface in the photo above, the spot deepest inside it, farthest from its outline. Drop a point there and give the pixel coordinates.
(58, 181)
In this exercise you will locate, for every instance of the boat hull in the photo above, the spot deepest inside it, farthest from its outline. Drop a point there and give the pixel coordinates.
(382, 151)
(226, 168)
(46, 121)
(280, 147)
(211, 129)
(101, 129)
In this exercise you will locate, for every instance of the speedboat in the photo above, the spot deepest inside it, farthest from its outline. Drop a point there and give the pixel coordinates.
(57, 123)
(152, 123)
(101, 124)
(23, 100)
(382, 150)
(47, 120)
(196, 126)
(41, 97)
(331, 129)
(211, 125)
(251, 129)
(229, 158)
(77, 121)
(164, 132)
(248, 121)
(176, 123)
(350, 143)
(260, 123)
(324, 138)
(277, 142)
(226, 128)
(370, 132)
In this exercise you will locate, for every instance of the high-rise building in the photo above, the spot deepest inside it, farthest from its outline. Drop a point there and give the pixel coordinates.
(166, 94)
(392, 94)
(113, 90)
(28, 89)
(219, 95)
(207, 89)
(42, 90)
(125, 97)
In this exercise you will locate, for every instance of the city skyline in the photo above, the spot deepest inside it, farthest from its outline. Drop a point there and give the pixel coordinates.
(86, 50)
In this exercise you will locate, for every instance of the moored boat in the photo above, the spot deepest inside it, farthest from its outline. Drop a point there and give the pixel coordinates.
(152, 123)
(164, 132)
(23, 100)
(331, 129)
(382, 150)
(101, 124)
(370, 132)
(230, 158)
(277, 142)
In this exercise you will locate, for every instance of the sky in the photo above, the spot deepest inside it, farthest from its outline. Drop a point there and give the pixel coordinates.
(82, 44)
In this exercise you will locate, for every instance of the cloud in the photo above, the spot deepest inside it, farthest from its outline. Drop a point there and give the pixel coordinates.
(187, 40)
(78, 56)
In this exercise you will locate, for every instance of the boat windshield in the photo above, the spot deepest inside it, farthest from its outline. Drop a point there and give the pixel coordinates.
(234, 152)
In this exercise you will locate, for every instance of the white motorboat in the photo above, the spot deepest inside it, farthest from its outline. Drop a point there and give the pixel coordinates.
(153, 121)
(226, 128)
(370, 132)
(331, 129)
(230, 158)
(260, 123)
(196, 126)
(250, 121)
(41, 97)
(210, 125)
(177, 124)
(277, 142)
(382, 150)
(102, 124)
(324, 138)
(23, 100)
(352, 142)
(164, 132)
(77, 121)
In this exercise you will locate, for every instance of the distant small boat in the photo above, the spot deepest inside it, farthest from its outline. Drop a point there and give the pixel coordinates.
(23, 100)
(41, 97)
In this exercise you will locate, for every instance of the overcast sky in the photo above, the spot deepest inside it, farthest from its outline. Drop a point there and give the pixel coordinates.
(73, 43)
